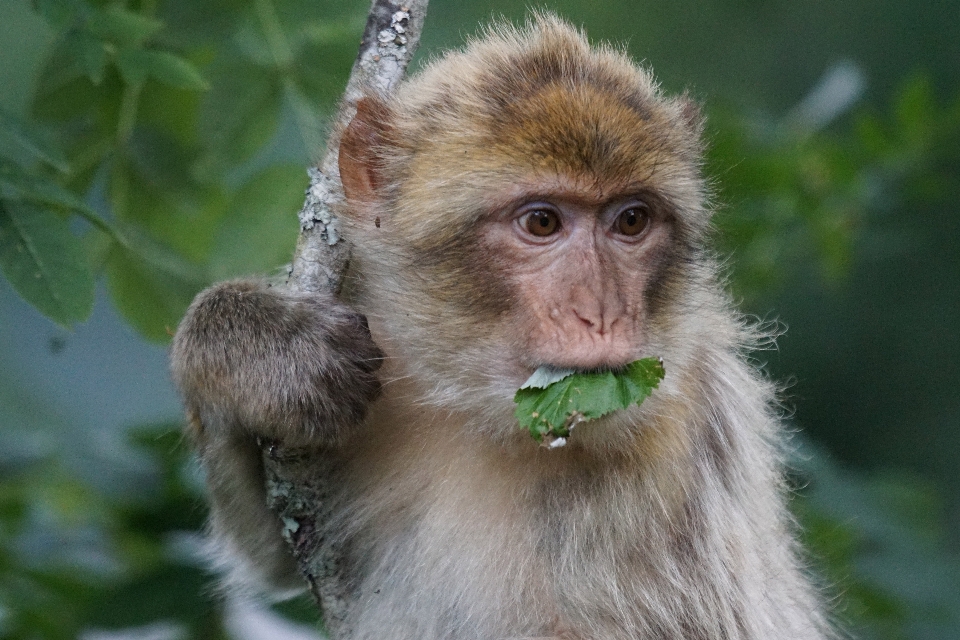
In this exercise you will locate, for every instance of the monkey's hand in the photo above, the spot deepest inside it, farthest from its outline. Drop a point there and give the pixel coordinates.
(295, 368)
(252, 363)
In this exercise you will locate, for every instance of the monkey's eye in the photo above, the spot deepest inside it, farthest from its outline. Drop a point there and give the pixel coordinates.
(541, 222)
(634, 220)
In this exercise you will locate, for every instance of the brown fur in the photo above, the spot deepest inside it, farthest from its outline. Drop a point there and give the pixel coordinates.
(660, 522)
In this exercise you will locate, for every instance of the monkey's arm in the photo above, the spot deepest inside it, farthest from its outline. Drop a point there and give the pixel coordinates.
(258, 363)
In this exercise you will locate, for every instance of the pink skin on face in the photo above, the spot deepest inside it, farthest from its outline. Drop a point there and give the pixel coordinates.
(579, 268)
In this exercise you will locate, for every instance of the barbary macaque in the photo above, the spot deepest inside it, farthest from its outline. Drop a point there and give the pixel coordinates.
(527, 202)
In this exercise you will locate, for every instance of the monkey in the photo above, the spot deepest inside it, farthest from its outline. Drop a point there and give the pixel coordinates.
(528, 201)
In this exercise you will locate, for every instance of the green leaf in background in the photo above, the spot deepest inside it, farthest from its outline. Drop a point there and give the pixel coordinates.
(307, 116)
(57, 13)
(175, 71)
(141, 577)
(238, 116)
(150, 285)
(260, 230)
(882, 540)
(69, 94)
(19, 185)
(252, 45)
(133, 66)
(93, 54)
(323, 84)
(550, 407)
(156, 595)
(121, 27)
(24, 142)
(150, 300)
(915, 113)
(137, 64)
(44, 262)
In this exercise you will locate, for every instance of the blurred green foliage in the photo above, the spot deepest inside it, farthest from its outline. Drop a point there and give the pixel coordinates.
(141, 577)
(165, 147)
(795, 199)
(881, 543)
(150, 123)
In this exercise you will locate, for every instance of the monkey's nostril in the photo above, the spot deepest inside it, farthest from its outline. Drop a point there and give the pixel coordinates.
(587, 321)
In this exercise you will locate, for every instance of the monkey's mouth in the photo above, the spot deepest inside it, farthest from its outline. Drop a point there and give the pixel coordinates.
(578, 356)
(552, 373)
(553, 401)
(547, 374)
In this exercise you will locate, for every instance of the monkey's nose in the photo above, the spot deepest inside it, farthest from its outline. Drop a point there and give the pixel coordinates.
(592, 323)
(594, 320)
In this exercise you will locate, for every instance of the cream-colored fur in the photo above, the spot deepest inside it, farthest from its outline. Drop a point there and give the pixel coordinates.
(665, 521)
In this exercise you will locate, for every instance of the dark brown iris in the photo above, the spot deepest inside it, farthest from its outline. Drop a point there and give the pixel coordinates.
(633, 221)
(542, 222)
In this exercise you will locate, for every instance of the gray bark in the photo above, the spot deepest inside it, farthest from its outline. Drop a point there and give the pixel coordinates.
(297, 480)
(389, 42)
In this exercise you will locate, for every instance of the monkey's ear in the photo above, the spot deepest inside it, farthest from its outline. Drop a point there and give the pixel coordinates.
(361, 146)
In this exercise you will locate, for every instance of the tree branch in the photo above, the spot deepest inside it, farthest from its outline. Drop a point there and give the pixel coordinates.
(298, 480)
(389, 42)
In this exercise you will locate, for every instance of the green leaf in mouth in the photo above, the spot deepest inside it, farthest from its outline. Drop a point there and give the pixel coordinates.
(551, 402)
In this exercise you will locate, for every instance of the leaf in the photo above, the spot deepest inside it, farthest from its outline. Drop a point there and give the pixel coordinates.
(159, 257)
(151, 288)
(19, 138)
(546, 376)
(323, 84)
(260, 230)
(150, 187)
(307, 118)
(57, 13)
(122, 27)
(133, 65)
(341, 33)
(238, 116)
(252, 45)
(137, 64)
(162, 162)
(172, 110)
(173, 71)
(93, 55)
(166, 593)
(44, 262)
(548, 406)
(150, 284)
(61, 68)
(19, 185)
(915, 111)
(61, 98)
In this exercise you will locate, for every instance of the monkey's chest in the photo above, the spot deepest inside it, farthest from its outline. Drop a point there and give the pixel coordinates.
(458, 550)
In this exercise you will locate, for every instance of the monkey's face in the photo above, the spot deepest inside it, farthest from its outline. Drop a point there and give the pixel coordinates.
(577, 262)
(476, 287)
(503, 223)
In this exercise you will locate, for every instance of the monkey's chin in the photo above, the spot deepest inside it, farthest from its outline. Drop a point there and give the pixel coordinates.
(614, 432)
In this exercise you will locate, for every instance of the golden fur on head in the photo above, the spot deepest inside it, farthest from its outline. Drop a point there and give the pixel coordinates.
(523, 103)
(565, 106)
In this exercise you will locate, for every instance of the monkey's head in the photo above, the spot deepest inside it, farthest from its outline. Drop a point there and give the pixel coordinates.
(528, 201)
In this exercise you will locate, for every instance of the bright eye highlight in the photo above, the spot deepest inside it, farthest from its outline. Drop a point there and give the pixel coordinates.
(633, 221)
(541, 222)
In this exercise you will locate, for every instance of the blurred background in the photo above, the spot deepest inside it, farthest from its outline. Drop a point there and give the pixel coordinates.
(150, 147)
